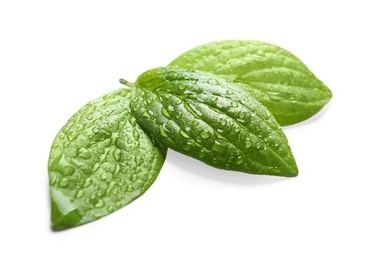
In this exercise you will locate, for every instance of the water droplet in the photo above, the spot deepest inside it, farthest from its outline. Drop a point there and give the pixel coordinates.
(163, 131)
(145, 114)
(53, 180)
(72, 135)
(274, 96)
(195, 123)
(178, 115)
(205, 134)
(293, 101)
(241, 114)
(202, 154)
(184, 134)
(219, 147)
(117, 154)
(64, 182)
(103, 176)
(223, 121)
(130, 188)
(136, 135)
(165, 113)
(62, 166)
(182, 87)
(110, 188)
(110, 209)
(212, 82)
(214, 98)
(83, 153)
(139, 160)
(80, 194)
(186, 146)
(239, 161)
(234, 104)
(134, 177)
(229, 92)
(87, 182)
(95, 130)
(248, 144)
(99, 204)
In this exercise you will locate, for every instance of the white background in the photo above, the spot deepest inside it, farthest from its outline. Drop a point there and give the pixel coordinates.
(55, 56)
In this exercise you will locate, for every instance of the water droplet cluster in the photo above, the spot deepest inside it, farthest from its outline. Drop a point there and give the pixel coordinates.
(210, 119)
(101, 159)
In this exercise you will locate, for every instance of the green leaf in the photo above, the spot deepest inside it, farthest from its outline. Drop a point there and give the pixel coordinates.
(100, 161)
(203, 116)
(274, 76)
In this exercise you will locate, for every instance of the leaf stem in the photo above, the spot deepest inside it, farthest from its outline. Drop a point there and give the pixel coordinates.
(127, 83)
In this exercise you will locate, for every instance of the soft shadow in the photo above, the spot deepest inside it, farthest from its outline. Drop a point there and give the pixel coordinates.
(193, 166)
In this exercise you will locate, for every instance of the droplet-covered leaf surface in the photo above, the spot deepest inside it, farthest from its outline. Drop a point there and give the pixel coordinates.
(204, 116)
(274, 76)
(100, 161)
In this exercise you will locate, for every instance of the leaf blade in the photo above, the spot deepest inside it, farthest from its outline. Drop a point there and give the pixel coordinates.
(263, 68)
(211, 120)
(100, 161)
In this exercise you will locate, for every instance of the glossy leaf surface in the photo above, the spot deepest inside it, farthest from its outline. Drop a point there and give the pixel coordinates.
(274, 76)
(100, 161)
(204, 116)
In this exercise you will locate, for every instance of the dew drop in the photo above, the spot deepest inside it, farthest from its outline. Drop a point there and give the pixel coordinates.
(134, 177)
(241, 114)
(219, 147)
(165, 113)
(212, 82)
(239, 161)
(83, 153)
(274, 96)
(178, 115)
(87, 182)
(136, 135)
(214, 98)
(229, 92)
(202, 154)
(205, 134)
(145, 114)
(64, 182)
(80, 194)
(234, 104)
(99, 204)
(139, 160)
(130, 188)
(162, 131)
(95, 130)
(110, 188)
(184, 134)
(117, 154)
(223, 121)
(110, 209)
(248, 144)
(103, 176)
